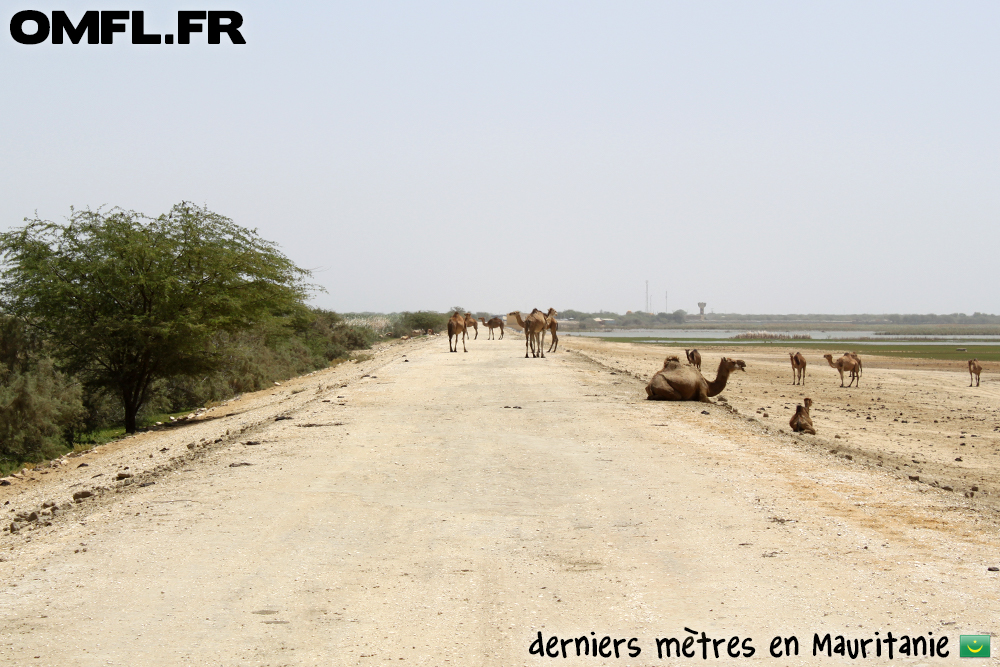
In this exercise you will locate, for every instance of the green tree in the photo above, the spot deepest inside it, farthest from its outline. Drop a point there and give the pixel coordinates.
(126, 300)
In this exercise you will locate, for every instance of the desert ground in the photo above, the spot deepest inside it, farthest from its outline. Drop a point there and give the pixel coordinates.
(444, 509)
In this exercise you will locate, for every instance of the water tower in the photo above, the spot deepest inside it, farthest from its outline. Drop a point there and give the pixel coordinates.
(701, 307)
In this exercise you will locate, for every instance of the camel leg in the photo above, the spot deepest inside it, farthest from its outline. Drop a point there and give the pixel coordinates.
(664, 394)
(501, 333)
(541, 344)
(527, 339)
(464, 334)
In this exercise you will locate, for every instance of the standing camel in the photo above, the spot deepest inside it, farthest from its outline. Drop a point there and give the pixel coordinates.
(975, 368)
(534, 331)
(854, 355)
(694, 358)
(470, 321)
(845, 363)
(493, 324)
(550, 317)
(456, 328)
(800, 421)
(798, 368)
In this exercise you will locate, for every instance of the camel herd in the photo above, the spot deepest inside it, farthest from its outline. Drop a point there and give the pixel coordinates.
(535, 325)
(680, 382)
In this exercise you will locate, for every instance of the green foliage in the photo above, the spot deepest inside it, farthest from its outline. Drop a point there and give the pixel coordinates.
(39, 408)
(126, 300)
(425, 319)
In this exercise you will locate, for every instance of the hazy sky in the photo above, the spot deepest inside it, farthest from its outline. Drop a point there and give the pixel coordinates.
(760, 156)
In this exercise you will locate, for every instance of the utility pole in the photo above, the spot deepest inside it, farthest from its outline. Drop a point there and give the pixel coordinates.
(666, 302)
(647, 296)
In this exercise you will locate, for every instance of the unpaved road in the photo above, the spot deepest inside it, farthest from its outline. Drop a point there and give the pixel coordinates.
(447, 508)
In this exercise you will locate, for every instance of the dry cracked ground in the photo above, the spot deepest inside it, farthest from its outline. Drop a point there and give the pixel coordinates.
(429, 508)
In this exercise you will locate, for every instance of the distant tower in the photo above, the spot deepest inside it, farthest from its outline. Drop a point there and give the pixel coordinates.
(701, 306)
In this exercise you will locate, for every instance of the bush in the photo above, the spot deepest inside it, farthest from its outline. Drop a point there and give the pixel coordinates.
(425, 319)
(39, 410)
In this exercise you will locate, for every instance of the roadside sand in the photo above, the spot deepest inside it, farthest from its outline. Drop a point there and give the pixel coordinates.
(448, 507)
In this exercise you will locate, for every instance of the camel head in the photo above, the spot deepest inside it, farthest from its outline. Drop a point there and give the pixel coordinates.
(733, 364)
(828, 357)
(808, 402)
(552, 312)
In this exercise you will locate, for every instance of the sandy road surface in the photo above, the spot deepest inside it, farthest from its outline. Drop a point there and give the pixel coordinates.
(448, 507)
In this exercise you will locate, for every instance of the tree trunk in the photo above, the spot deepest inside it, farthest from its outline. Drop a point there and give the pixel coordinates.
(130, 413)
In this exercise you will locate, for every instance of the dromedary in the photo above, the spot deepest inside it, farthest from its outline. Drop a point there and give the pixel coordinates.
(798, 368)
(493, 324)
(679, 382)
(845, 363)
(470, 321)
(800, 421)
(534, 331)
(550, 317)
(456, 328)
(975, 368)
(854, 355)
(694, 358)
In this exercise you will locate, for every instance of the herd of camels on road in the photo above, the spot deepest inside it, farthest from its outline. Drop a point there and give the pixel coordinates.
(675, 381)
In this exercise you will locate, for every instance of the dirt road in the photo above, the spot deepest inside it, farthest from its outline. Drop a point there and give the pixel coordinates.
(447, 508)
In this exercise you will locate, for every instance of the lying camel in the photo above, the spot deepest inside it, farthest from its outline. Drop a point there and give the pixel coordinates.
(493, 324)
(456, 328)
(975, 368)
(800, 421)
(694, 358)
(845, 363)
(470, 321)
(678, 382)
(798, 368)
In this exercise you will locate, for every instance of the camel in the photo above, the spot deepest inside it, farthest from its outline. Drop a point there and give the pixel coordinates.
(456, 328)
(677, 382)
(493, 324)
(975, 368)
(471, 321)
(854, 355)
(694, 358)
(800, 421)
(534, 331)
(550, 317)
(845, 363)
(798, 368)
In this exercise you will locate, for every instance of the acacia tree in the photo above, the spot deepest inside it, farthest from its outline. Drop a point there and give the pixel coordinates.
(126, 299)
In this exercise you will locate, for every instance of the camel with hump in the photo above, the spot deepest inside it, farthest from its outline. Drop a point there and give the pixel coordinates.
(550, 317)
(801, 422)
(798, 368)
(470, 321)
(694, 358)
(845, 363)
(854, 355)
(975, 368)
(680, 382)
(456, 328)
(495, 322)
(534, 326)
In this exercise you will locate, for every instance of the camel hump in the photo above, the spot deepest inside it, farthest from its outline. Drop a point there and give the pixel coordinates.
(671, 359)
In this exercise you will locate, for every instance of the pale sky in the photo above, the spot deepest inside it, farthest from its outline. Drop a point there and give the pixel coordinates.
(764, 157)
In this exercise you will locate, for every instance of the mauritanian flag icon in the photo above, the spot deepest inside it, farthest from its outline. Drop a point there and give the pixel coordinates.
(974, 646)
